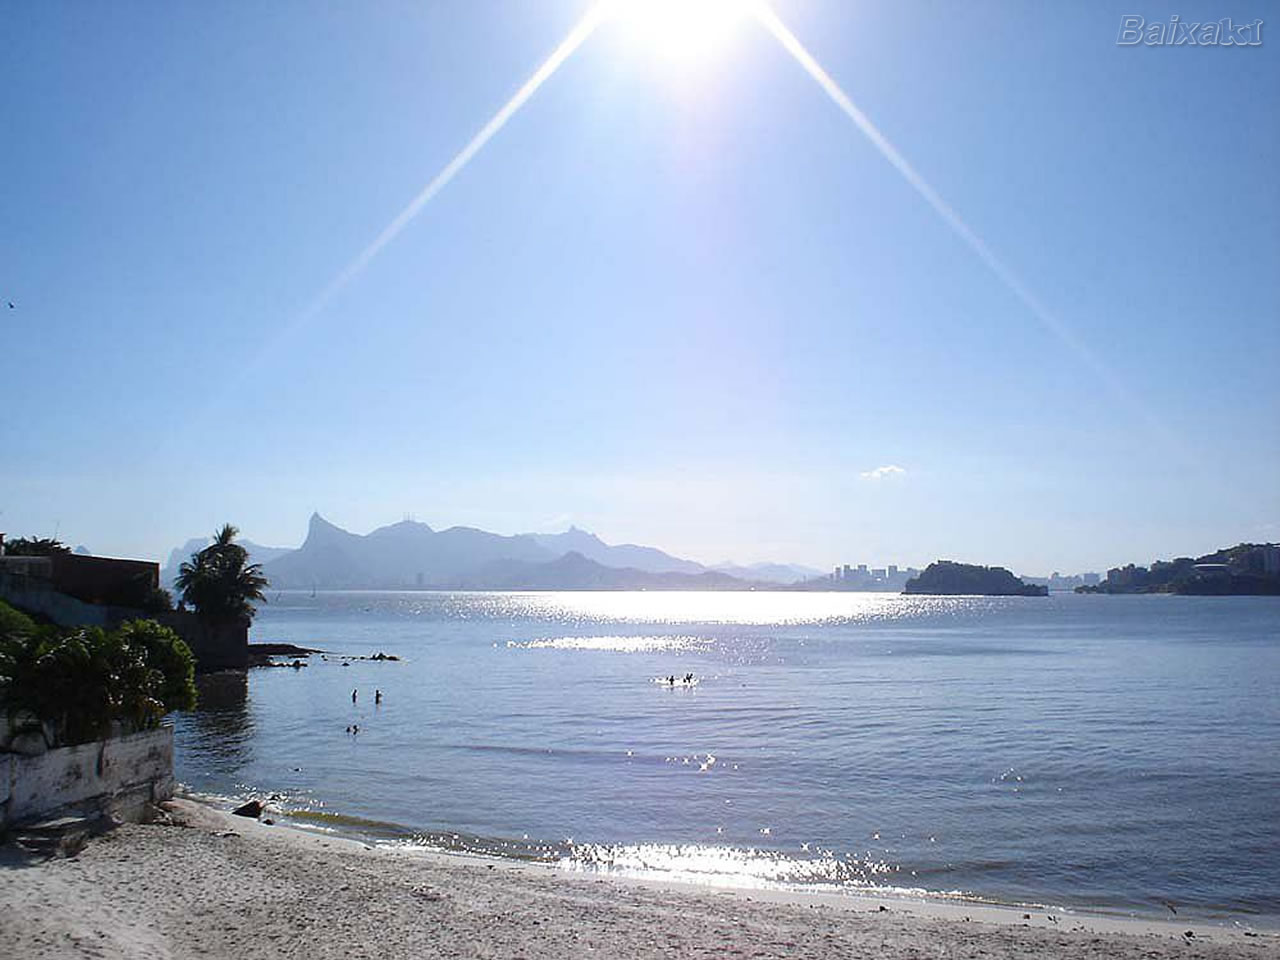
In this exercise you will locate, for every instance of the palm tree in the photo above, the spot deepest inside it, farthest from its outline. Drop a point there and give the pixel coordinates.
(220, 582)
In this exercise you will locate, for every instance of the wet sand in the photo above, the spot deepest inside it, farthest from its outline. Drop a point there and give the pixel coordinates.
(206, 884)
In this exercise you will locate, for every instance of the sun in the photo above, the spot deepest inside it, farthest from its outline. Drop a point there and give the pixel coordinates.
(681, 30)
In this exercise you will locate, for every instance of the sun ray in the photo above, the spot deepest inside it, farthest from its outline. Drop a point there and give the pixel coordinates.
(791, 43)
(572, 41)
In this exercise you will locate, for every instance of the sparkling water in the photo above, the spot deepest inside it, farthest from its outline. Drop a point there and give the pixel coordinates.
(1107, 752)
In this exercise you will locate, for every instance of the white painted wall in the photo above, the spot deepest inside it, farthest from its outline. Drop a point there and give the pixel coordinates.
(118, 776)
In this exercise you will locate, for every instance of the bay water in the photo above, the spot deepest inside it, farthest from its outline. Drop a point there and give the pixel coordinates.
(1111, 753)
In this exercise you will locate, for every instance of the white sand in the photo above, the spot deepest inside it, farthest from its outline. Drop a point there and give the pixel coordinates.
(211, 885)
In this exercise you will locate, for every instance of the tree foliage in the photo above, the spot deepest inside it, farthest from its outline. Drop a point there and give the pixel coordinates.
(87, 683)
(14, 622)
(34, 547)
(220, 582)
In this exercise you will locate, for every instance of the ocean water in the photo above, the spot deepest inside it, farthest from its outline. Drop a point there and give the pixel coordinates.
(1114, 753)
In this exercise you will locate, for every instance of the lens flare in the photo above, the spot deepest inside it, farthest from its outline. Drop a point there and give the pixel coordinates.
(680, 30)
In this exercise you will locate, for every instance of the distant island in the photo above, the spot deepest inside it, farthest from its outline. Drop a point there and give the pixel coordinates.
(948, 578)
(1247, 569)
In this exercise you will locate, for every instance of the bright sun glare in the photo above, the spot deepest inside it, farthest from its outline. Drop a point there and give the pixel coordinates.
(681, 30)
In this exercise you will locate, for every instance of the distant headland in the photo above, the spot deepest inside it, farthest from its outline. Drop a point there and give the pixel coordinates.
(948, 578)
(1247, 569)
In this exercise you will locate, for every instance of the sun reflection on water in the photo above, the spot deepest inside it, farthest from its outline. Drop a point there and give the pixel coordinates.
(616, 644)
(727, 866)
(765, 608)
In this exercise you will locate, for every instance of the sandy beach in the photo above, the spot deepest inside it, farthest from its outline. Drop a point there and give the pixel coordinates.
(201, 883)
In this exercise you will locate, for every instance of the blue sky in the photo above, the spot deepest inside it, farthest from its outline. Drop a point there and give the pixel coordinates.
(675, 300)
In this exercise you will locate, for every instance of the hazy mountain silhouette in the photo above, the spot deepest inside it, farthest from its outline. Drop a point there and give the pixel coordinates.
(405, 554)
(573, 571)
(770, 572)
(628, 555)
(413, 555)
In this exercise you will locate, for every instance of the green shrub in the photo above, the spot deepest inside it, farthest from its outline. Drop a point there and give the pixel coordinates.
(14, 621)
(84, 681)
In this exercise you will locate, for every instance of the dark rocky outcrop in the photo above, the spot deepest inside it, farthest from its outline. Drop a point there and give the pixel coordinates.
(948, 578)
(253, 809)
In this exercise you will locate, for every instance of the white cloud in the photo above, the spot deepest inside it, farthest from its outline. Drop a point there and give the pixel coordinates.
(881, 473)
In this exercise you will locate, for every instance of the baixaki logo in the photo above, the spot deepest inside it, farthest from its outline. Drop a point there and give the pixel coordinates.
(1176, 32)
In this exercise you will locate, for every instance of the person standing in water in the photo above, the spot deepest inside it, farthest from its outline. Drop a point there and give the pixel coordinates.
(377, 697)
(353, 696)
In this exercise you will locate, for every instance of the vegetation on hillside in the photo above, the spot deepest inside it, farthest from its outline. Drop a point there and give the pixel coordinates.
(1246, 568)
(948, 578)
(220, 582)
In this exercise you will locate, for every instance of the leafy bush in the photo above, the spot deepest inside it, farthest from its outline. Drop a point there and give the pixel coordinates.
(14, 622)
(86, 683)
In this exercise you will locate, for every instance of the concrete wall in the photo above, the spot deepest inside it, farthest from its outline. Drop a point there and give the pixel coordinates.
(36, 595)
(119, 777)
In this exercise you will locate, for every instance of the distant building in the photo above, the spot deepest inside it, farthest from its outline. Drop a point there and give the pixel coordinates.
(1212, 569)
(74, 590)
(1270, 557)
(104, 581)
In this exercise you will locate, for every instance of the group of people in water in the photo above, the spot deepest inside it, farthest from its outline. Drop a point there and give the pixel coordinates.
(354, 728)
(688, 679)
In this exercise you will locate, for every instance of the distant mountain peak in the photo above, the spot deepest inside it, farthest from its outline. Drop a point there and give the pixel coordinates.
(321, 530)
(402, 528)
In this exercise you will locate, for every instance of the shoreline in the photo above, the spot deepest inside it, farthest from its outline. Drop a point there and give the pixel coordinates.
(203, 882)
(941, 904)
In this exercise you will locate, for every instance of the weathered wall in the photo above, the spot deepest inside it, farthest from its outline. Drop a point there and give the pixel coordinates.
(119, 777)
(38, 596)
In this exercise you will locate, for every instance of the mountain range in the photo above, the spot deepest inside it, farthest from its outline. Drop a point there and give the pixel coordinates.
(411, 555)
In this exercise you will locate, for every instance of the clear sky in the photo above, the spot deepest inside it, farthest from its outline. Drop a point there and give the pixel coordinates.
(678, 299)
